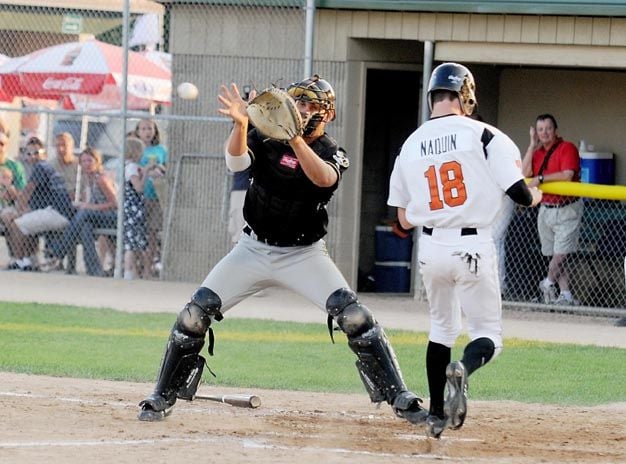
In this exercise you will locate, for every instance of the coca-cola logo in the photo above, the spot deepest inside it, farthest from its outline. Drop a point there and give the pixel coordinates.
(67, 84)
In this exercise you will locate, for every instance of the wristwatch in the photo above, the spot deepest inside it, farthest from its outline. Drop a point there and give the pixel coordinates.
(540, 177)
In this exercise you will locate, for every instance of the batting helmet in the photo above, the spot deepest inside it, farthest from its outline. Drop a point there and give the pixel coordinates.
(455, 78)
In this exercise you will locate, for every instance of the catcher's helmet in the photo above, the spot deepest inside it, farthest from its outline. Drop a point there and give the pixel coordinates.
(456, 78)
(315, 90)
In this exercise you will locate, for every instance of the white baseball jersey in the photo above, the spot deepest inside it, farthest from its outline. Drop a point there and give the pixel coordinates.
(453, 172)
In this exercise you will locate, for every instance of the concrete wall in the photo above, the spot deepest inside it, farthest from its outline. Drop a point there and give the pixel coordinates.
(216, 45)
(589, 105)
(333, 26)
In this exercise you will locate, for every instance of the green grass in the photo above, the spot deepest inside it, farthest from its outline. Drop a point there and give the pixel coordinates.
(107, 344)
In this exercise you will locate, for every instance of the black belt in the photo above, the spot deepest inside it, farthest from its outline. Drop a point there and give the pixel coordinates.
(277, 242)
(558, 205)
(464, 231)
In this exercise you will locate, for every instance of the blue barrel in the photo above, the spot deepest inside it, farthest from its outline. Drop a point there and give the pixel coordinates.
(597, 168)
(392, 276)
(392, 269)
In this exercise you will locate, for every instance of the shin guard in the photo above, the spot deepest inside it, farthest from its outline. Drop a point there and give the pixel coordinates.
(180, 372)
(376, 360)
(377, 365)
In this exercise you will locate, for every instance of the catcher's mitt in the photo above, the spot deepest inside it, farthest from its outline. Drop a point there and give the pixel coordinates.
(273, 112)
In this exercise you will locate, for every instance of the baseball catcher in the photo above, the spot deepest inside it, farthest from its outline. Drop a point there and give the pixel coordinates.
(296, 168)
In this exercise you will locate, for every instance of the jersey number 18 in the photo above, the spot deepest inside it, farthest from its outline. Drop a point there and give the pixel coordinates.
(452, 186)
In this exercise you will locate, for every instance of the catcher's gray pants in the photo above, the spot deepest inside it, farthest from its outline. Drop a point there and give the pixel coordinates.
(252, 265)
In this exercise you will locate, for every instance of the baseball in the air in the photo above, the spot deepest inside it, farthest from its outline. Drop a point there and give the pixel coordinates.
(187, 91)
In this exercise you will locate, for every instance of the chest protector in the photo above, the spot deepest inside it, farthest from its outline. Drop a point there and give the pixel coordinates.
(282, 204)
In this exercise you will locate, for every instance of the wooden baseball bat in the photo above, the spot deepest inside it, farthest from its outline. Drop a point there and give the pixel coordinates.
(241, 401)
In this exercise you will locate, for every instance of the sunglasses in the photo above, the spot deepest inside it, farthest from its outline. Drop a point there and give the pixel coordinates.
(33, 152)
(307, 95)
(302, 93)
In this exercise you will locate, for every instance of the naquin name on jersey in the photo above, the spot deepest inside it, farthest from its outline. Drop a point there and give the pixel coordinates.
(438, 145)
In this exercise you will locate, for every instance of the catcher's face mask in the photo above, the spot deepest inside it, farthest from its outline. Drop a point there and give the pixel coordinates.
(318, 92)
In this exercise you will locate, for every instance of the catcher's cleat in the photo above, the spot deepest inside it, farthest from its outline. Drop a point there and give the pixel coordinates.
(455, 406)
(407, 406)
(435, 426)
(147, 414)
(154, 408)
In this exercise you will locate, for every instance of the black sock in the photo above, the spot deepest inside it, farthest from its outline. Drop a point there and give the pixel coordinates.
(437, 358)
(477, 353)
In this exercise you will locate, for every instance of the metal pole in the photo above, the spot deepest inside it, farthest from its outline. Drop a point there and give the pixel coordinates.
(119, 249)
(308, 38)
(427, 69)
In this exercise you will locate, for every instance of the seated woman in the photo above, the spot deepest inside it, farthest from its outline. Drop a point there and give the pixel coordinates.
(10, 189)
(96, 209)
(41, 207)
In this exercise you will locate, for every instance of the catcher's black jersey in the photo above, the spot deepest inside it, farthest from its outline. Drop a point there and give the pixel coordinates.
(282, 204)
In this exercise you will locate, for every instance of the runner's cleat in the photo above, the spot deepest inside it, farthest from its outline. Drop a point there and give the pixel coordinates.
(435, 426)
(455, 406)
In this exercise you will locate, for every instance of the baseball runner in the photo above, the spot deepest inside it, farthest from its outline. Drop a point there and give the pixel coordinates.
(281, 244)
(450, 179)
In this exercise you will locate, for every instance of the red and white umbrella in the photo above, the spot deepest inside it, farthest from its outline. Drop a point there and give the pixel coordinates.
(87, 76)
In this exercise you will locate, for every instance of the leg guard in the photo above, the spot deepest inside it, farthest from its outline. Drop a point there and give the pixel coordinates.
(182, 365)
(376, 363)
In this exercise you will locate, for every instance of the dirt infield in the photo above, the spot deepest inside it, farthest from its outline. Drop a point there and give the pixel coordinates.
(60, 420)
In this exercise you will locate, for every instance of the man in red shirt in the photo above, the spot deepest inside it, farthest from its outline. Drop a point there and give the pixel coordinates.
(549, 158)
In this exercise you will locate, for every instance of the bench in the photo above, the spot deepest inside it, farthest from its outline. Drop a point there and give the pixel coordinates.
(109, 232)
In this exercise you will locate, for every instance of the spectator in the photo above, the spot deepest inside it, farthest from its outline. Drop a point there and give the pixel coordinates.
(32, 125)
(236, 222)
(42, 206)
(6, 182)
(7, 203)
(135, 239)
(97, 209)
(19, 175)
(65, 163)
(155, 156)
(622, 322)
(10, 192)
(549, 158)
(499, 228)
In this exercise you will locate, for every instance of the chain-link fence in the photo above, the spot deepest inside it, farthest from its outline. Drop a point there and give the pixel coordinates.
(594, 272)
(72, 98)
(62, 81)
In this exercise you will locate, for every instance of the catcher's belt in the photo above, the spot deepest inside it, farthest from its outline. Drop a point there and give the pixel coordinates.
(299, 241)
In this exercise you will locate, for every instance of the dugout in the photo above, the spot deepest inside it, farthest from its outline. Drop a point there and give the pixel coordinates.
(568, 59)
